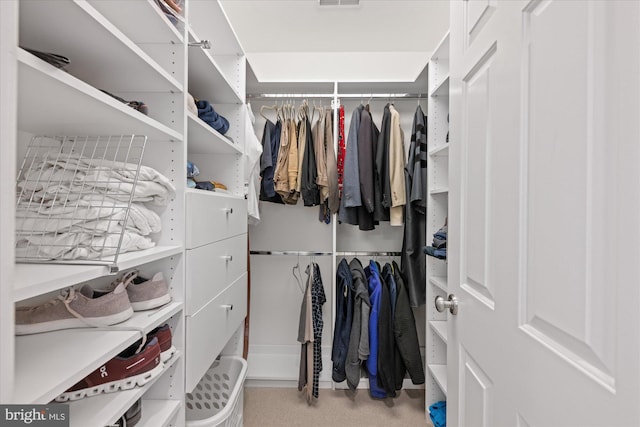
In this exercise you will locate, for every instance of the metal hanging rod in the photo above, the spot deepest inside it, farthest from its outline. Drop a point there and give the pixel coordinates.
(340, 95)
(320, 253)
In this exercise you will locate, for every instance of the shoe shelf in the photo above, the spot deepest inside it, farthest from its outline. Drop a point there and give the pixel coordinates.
(442, 89)
(442, 150)
(203, 139)
(206, 79)
(158, 413)
(440, 282)
(49, 363)
(439, 373)
(37, 279)
(107, 60)
(73, 107)
(125, 14)
(105, 409)
(440, 328)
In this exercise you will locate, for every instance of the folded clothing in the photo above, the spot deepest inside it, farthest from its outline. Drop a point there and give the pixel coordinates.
(54, 59)
(210, 117)
(192, 170)
(438, 414)
(440, 253)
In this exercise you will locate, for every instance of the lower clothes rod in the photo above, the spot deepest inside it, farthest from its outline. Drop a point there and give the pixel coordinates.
(323, 253)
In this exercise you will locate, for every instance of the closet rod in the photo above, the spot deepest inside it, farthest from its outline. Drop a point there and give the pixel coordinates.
(338, 253)
(340, 95)
(301, 253)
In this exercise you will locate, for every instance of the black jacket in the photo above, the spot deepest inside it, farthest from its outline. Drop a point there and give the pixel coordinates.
(406, 335)
(309, 187)
(386, 337)
(383, 180)
(344, 318)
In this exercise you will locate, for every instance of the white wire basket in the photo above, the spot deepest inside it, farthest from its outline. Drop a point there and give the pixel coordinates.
(218, 398)
(74, 196)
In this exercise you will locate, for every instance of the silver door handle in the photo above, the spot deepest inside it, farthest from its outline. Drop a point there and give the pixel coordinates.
(227, 307)
(228, 210)
(227, 258)
(451, 304)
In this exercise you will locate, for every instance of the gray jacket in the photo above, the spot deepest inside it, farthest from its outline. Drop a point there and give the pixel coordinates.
(359, 339)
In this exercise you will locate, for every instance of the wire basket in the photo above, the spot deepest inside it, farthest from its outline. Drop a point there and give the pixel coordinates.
(74, 196)
(218, 398)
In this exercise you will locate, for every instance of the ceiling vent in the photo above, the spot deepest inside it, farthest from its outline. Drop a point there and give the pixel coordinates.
(339, 2)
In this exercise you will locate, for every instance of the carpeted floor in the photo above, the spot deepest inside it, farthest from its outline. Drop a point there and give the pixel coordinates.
(285, 407)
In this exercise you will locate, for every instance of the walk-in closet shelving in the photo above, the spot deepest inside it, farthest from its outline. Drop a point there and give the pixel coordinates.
(105, 53)
(437, 210)
(216, 226)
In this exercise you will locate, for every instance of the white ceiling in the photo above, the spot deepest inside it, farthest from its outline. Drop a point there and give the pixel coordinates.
(301, 41)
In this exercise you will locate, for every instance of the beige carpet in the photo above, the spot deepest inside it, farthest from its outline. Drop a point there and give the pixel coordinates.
(276, 407)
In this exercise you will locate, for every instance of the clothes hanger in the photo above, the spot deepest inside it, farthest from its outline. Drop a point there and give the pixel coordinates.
(268, 107)
(299, 276)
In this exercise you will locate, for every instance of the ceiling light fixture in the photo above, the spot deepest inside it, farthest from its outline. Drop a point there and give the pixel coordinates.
(339, 2)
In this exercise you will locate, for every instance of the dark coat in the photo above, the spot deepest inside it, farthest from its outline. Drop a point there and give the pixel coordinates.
(270, 147)
(366, 166)
(359, 339)
(351, 199)
(406, 335)
(386, 337)
(309, 187)
(344, 319)
(383, 181)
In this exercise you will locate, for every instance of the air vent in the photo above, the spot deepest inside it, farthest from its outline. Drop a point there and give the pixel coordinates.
(339, 2)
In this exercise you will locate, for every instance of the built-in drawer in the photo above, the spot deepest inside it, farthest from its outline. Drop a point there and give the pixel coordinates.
(211, 268)
(209, 330)
(212, 217)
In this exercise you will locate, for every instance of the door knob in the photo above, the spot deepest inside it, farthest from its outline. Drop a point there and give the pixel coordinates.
(451, 304)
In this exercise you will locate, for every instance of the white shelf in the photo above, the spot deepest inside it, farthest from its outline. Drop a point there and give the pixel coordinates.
(440, 328)
(440, 151)
(206, 79)
(444, 190)
(439, 374)
(158, 413)
(105, 409)
(442, 89)
(439, 281)
(126, 14)
(441, 52)
(36, 279)
(214, 194)
(203, 139)
(72, 107)
(49, 363)
(107, 60)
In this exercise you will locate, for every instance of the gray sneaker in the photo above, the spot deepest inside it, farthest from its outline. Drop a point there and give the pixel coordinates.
(145, 294)
(75, 309)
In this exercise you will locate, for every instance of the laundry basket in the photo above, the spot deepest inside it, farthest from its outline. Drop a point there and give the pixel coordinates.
(217, 399)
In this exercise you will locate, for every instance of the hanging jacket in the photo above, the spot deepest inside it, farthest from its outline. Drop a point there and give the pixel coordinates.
(358, 351)
(292, 169)
(383, 188)
(351, 198)
(397, 161)
(252, 169)
(309, 187)
(386, 338)
(406, 335)
(321, 161)
(333, 198)
(375, 294)
(281, 172)
(302, 149)
(413, 261)
(367, 133)
(343, 322)
(270, 146)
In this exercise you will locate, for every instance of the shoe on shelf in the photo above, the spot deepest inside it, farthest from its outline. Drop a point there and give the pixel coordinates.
(163, 334)
(125, 371)
(131, 417)
(75, 309)
(145, 294)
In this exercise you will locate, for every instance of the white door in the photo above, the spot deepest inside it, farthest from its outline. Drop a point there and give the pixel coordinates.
(544, 221)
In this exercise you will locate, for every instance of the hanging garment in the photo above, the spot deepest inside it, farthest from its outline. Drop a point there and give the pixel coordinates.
(306, 338)
(375, 295)
(292, 170)
(270, 146)
(309, 186)
(406, 334)
(343, 322)
(412, 259)
(253, 150)
(397, 162)
(351, 189)
(281, 171)
(386, 338)
(318, 299)
(302, 148)
(382, 182)
(342, 149)
(358, 351)
(321, 160)
(367, 134)
(333, 197)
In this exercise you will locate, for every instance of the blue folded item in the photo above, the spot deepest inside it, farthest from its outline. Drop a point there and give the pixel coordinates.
(438, 414)
(192, 170)
(440, 253)
(207, 114)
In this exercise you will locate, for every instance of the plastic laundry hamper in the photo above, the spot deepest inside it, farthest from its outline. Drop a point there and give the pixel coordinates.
(217, 399)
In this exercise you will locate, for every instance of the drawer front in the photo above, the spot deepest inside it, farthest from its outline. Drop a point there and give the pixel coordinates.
(211, 218)
(209, 330)
(211, 268)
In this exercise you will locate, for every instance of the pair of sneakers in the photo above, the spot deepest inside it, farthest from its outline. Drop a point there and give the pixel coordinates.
(135, 366)
(88, 307)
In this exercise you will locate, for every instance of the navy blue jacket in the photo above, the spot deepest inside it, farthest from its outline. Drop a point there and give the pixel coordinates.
(375, 295)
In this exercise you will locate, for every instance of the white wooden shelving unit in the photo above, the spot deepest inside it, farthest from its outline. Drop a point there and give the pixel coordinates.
(111, 50)
(437, 208)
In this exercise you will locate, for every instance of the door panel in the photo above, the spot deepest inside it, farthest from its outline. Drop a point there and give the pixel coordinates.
(544, 237)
